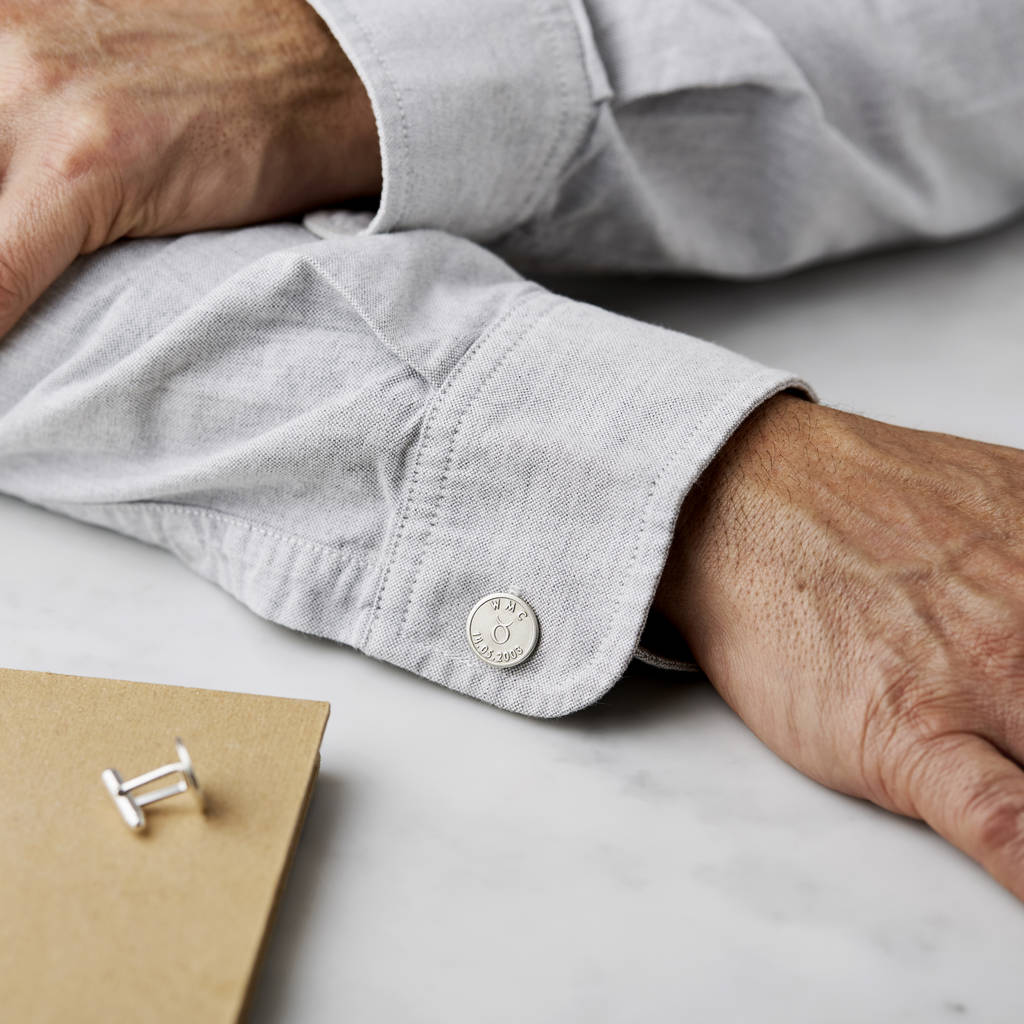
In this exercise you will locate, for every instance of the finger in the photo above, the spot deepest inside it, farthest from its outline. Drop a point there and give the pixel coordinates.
(41, 232)
(974, 796)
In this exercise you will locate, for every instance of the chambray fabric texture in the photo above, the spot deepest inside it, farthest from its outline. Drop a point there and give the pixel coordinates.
(361, 426)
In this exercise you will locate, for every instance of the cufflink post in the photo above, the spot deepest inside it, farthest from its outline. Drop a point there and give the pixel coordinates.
(130, 807)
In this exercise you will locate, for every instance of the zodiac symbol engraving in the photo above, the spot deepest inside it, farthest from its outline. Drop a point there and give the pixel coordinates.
(501, 625)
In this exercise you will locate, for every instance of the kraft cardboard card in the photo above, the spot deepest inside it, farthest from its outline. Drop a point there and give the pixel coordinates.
(99, 923)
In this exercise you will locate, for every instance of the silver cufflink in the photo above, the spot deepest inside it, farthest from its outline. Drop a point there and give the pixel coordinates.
(502, 630)
(131, 806)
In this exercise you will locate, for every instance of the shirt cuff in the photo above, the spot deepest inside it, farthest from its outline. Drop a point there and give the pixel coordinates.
(479, 106)
(552, 466)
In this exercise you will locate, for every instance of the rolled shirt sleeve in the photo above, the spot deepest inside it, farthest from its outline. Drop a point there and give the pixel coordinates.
(360, 436)
(738, 138)
(479, 106)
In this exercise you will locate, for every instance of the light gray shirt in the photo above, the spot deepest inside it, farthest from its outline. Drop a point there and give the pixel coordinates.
(361, 426)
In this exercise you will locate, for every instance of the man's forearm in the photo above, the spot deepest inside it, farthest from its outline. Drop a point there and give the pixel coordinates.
(856, 592)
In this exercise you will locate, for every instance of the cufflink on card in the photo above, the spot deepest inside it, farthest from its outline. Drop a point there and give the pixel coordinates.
(130, 806)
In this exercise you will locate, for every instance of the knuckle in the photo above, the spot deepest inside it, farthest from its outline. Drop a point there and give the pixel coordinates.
(996, 818)
(913, 705)
(31, 72)
(85, 144)
(893, 729)
(42, 77)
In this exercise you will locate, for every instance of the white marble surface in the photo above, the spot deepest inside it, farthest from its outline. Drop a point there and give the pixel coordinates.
(646, 860)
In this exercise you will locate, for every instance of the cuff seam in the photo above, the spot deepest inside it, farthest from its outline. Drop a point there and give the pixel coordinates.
(533, 201)
(442, 484)
(396, 94)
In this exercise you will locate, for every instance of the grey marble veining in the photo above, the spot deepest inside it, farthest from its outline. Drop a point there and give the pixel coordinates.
(647, 859)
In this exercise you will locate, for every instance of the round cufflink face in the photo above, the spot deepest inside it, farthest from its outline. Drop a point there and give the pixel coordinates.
(502, 630)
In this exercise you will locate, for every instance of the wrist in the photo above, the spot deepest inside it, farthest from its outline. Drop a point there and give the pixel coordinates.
(713, 544)
(327, 142)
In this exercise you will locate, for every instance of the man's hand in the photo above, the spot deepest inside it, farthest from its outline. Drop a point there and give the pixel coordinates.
(856, 592)
(125, 118)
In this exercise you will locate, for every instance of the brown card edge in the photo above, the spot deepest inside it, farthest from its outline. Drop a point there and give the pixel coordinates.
(282, 879)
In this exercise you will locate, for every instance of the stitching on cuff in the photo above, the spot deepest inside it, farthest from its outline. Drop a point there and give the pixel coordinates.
(429, 424)
(563, 116)
(341, 32)
(510, 347)
(402, 117)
